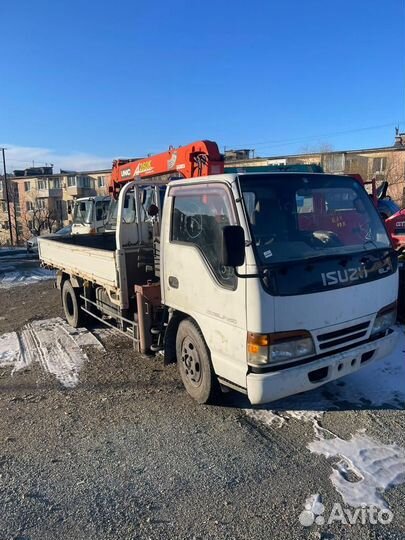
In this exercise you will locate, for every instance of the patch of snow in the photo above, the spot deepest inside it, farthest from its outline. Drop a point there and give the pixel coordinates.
(277, 418)
(9, 349)
(12, 277)
(266, 417)
(374, 466)
(52, 343)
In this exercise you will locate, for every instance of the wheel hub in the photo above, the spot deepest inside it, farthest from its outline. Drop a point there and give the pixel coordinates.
(191, 362)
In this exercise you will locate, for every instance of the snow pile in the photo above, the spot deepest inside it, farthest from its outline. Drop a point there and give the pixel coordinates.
(374, 465)
(10, 276)
(17, 267)
(52, 343)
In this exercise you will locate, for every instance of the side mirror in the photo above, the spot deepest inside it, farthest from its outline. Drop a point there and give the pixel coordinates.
(233, 246)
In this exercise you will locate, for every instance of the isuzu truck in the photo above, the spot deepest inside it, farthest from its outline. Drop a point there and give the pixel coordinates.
(270, 284)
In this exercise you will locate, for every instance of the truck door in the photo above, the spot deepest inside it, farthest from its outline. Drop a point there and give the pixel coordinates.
(193, 280)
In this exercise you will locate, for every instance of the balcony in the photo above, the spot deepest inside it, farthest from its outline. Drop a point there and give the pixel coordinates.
(78, 192)
(48, 193)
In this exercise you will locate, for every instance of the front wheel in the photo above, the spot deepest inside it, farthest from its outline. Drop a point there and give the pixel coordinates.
(71, 305)
(194, 364)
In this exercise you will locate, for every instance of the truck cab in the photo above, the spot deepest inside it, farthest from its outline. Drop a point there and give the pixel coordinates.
(90, 215)
(315, 296)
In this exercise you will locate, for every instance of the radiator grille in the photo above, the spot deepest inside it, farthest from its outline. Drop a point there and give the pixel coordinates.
(343, 336)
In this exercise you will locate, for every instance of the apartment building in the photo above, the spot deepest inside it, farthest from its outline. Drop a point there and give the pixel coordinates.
(43, 201)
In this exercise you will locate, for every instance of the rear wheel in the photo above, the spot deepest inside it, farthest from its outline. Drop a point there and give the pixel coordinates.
(194, 364)
(71, 305)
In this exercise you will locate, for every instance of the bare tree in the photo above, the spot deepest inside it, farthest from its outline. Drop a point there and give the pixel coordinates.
(320, 148)
(394, 174)
(38, 216)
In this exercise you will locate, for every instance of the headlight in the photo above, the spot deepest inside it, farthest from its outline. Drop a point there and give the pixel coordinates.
(386, 318)
(279, 347)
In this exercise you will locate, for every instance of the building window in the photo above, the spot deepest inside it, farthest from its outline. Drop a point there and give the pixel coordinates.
(56, 183)
(17, 209)
(101, 181)
(83, 182)
(29, 206)
(27, 186)
(334, 163)
(41, 184)
(71, 181)
(41, 203)
(60, 208)
(379, 164)
(3, 206)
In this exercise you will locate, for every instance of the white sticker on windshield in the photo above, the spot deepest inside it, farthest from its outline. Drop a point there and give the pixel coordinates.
(268, 253)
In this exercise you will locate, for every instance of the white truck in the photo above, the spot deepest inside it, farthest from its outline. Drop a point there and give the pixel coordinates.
(90, 214)
(270, 284)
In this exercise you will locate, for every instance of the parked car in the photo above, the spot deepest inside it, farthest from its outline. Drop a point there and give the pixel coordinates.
(32, 243)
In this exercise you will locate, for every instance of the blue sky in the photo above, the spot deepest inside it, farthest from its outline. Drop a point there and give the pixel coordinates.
(94, 80)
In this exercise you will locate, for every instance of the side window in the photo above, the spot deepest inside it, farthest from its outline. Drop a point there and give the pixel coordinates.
(199, 215)
(129, 212)
(305, 203)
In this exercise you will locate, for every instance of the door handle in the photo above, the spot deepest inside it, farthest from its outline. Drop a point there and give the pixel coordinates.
(173, 282)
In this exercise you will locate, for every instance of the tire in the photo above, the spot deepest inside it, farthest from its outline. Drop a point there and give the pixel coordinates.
(194, 364)
(71, 305)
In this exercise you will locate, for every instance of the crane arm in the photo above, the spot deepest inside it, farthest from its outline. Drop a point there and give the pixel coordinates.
(200, 158)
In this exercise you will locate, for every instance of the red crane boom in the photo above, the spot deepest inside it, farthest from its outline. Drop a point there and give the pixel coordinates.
(200, 158)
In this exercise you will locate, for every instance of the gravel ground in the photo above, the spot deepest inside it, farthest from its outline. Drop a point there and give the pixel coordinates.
(126, 453)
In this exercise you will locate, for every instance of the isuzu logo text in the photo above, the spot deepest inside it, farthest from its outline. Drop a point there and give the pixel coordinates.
(343, 276)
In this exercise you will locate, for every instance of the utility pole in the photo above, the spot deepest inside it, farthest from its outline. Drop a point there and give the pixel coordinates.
(7, 196)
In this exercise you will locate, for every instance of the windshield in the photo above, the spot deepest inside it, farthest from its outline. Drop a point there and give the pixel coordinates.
(298, 216)
(83, 212)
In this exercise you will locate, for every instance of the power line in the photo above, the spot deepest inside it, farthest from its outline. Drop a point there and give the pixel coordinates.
(289, 141)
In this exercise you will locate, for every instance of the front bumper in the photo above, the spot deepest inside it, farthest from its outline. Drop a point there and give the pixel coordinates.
(266, 387)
